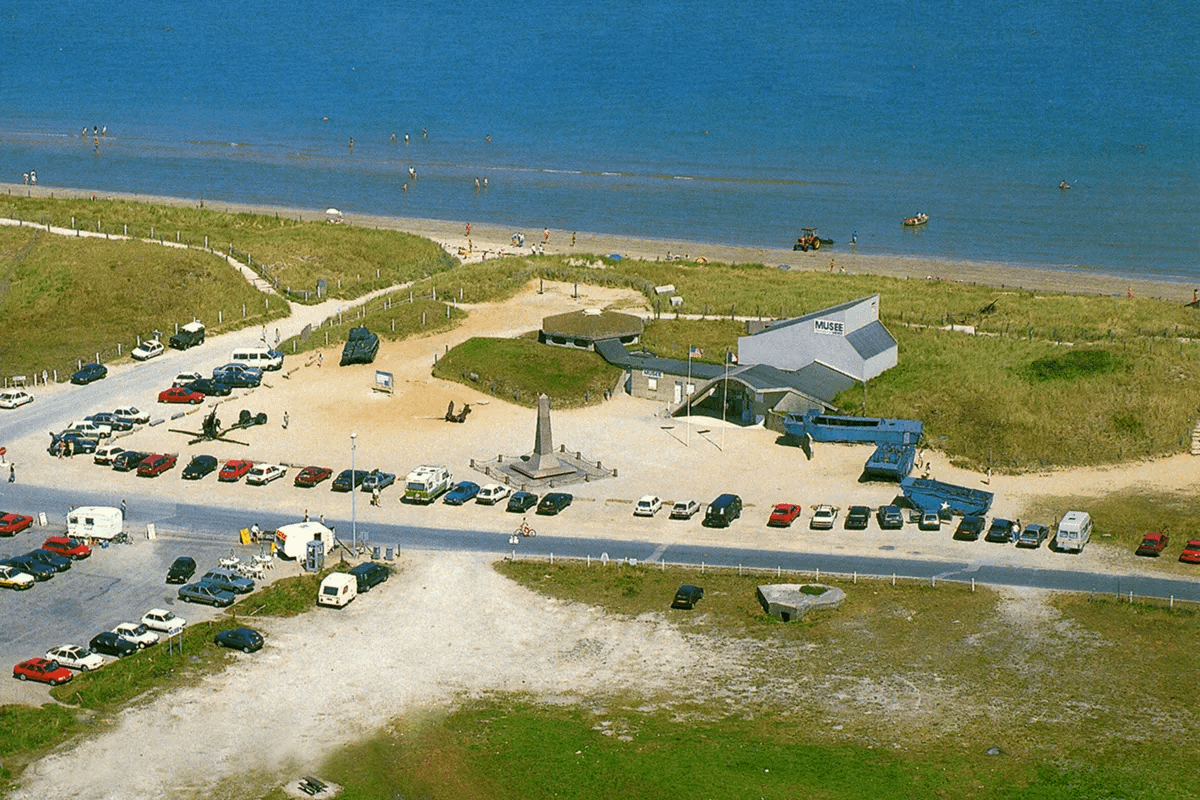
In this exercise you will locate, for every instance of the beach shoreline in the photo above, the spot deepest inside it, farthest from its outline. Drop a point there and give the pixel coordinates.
(488, 240)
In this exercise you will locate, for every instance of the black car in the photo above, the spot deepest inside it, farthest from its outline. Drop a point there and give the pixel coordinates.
(128, 460)
(89, 373)
(238, 376)
(554, 502)
(723, 511)
(1002, 531)
(687, 596)
(210, 388)
(112, 645)
(890, 518)
(71, 443)
(39, 571)
(198, 467)
(969, 528)
(111, 420)
(244, 639)
(522, 501)
(369, 574)
(349, 479)
(59, 563)
(857, 518)
(181, 570)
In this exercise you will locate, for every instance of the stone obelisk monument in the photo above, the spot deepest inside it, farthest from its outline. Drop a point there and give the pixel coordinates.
(542, 462)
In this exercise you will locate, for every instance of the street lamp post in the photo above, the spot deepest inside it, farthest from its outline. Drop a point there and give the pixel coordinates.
(353, 492)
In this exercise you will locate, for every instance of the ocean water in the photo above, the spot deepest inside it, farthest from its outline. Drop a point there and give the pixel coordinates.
(732, 123)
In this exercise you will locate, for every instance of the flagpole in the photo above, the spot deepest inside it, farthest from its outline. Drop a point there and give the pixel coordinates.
(687, 398)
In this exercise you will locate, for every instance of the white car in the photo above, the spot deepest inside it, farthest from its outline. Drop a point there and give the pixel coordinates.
(823, 518)
(13, 398)
(265, 473)
(492, 493)
(137, 633)
(105, 455)
(647, 506)
(148, 349)
(90, 429)
(160, 619)
(140, 417)
(13, 578)
(76, 657)
(184, 378)
(684, 509)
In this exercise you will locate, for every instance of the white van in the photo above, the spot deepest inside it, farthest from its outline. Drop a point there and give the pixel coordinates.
(1074, 530)
(263, 357)
(292, 540)
(338, 589)
(95, 522)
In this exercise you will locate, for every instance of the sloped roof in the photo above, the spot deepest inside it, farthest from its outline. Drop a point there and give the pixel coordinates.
(871, 340)
(612, 351)
(814, 315)
(591, 325)
(824, 382)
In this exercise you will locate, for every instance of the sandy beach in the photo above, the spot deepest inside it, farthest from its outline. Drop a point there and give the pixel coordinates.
(489, 241)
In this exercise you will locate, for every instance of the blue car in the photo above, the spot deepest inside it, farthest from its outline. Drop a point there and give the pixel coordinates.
(89, 373)
(244, 639)
(461, 493)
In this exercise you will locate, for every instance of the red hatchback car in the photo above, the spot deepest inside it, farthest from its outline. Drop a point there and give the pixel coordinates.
(1153, 544)
(783, 515)
(67, 546)
(41, 669)
(311, 476)
(13, 523)
(180, 394)
(234, 470)
(157, 464)
(1191, 552)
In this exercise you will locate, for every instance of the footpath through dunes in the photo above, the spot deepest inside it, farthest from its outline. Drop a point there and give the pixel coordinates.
(330, 677)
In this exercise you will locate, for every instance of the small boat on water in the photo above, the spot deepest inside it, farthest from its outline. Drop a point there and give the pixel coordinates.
(919, 218)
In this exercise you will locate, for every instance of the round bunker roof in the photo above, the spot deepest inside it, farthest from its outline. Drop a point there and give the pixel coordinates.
(593, 325)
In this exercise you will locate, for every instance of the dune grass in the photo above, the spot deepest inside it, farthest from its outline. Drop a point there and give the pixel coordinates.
(291, 253)
(63, 300)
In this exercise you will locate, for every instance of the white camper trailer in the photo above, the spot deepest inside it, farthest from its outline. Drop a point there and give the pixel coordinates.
(292, 540)
(95, 522)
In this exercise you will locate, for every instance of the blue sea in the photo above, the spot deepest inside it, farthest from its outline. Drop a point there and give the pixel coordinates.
(730, 123)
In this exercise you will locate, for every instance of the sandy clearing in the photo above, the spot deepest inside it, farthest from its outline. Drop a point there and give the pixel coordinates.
(332, 676)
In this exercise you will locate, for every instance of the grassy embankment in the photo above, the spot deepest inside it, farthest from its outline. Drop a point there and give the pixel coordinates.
(89, 699)
(899, 693)
(292, 254)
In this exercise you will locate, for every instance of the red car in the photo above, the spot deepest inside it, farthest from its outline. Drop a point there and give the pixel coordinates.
(234, 470)
(1153, 544)
(13, 523)
(783, 515)
(311, 476)
(180, 394)
(157, 464)
(41, 669)
(1191, 552)
(67, 546)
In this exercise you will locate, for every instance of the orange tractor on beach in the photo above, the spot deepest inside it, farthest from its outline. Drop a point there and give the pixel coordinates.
(809, 240)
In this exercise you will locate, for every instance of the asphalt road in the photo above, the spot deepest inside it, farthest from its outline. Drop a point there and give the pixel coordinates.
(121, 582)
